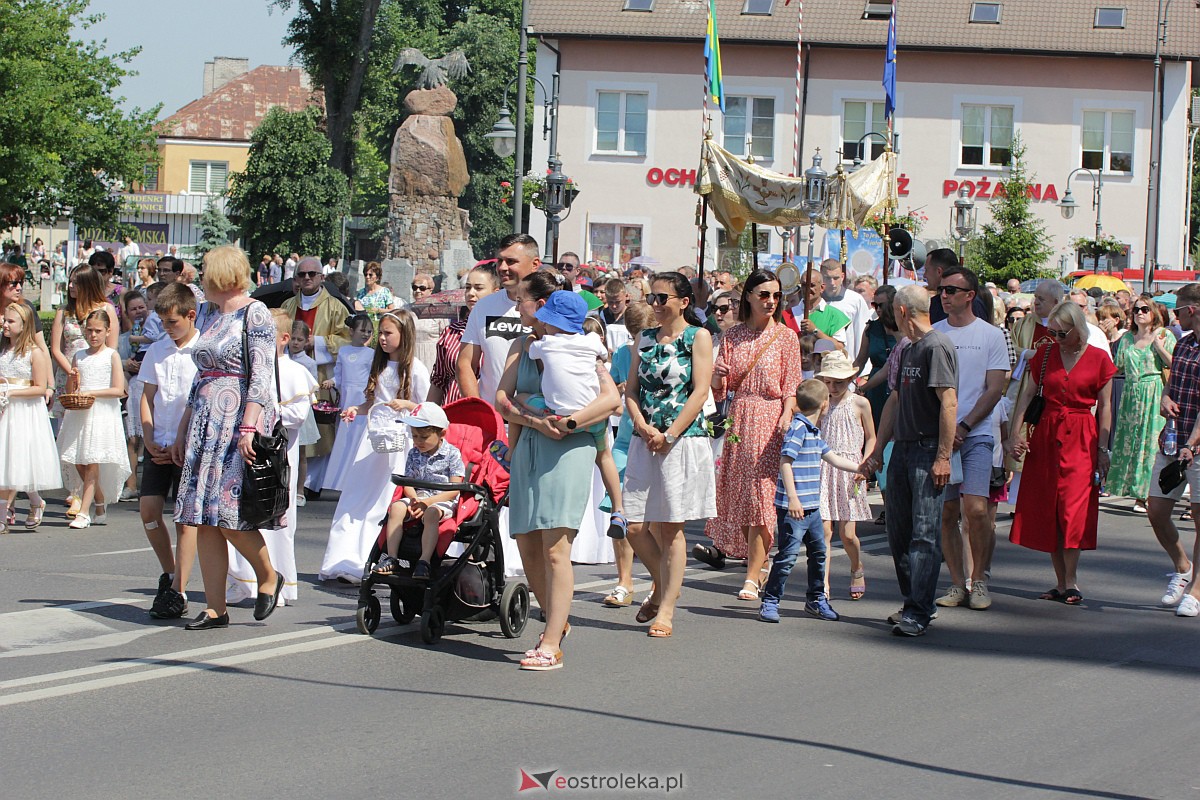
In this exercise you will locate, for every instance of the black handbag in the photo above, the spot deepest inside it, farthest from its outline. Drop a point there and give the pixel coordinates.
(1033, 412)
(265, 489)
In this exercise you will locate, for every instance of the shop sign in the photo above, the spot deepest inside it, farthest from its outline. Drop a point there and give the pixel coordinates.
(985, 189)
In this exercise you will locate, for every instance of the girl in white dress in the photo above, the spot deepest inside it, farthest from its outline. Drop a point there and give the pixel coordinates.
(350, 375)
(401, 382)
(93, 440)
(27, 455)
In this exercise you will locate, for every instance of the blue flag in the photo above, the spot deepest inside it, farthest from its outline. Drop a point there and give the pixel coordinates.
(889, 68)
(712, 59)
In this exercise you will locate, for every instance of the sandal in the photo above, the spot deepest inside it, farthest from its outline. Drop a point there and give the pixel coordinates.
(858, 585)
(80, 522)
(648, 611)
(709, 555)
(542, 660)
(500, 452)
(73, 507)
(541, 637)
(386, 565)
(1072, 597)
(882, 518)
(1054, 594)
(618, 526)
(748, 594)
(659, 630)
(34, 518)
(10, 519)
(619, 598)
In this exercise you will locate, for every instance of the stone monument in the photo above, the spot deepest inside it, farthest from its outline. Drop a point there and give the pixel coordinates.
(428, 172)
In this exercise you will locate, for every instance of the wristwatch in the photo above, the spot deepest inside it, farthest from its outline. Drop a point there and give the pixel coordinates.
(571, 424)
(670, 437)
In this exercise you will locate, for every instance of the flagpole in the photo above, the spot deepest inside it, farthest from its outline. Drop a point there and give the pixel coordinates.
(799, 79)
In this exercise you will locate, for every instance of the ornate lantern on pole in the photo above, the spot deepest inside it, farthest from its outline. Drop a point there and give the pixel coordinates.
(816, 187)
(962, 221)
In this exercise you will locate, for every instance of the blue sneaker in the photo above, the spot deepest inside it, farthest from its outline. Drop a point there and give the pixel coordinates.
(769, 612)
(821, 610)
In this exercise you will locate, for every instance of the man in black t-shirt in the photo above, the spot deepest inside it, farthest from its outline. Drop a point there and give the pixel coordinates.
(920, 417)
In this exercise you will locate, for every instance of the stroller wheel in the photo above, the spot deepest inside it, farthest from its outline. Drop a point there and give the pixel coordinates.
(514, 609)
(433, 623)
(402, 611)
(368, 615)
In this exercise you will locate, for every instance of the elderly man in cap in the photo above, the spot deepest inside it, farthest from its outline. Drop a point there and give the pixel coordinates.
(325, 316)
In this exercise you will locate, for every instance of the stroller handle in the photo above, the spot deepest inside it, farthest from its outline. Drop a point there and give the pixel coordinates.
(462, 488)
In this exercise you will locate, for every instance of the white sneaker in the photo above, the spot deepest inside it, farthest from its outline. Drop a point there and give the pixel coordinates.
(979, 599)
(1189, 606)
(1176, 584)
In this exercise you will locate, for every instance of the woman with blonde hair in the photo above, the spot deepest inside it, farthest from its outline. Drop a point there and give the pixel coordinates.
(1065, 457)
(232, 398)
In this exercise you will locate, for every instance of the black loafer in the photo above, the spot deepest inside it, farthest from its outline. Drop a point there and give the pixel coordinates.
(264, 604)
(204, 622)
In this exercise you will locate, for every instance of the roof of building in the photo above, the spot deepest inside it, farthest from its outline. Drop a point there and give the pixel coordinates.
(232, 111)
(1064, 27)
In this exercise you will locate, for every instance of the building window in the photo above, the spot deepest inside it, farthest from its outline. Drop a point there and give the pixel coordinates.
(1109, 18)
(763, 7)
(150, 177)
(639, 5)
(987, 133)
(208, 177)
(1108, 140)
(621, 122)
(754, 116)
(877, 9)
(614, 245)
(858, 119)
(985, 13)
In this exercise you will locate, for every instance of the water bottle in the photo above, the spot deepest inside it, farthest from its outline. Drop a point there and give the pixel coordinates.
(1170, 439)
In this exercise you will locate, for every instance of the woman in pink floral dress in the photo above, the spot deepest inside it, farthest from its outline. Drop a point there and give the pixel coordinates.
(759, 364)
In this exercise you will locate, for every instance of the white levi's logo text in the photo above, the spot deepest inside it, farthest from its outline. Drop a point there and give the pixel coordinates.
(505, 328)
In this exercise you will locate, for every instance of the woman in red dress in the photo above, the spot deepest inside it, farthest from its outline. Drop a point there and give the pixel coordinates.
(759, 363)
(1066, 450)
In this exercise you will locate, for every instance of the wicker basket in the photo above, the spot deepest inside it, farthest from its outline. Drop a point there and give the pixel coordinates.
(327, 413)
(71, 399)
(74, 401)
(385, 430)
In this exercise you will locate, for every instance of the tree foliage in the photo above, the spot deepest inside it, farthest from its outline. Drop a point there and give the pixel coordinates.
(486, 30)
(65, 144)
(1014, 244)
(289, 198)
(215, 229)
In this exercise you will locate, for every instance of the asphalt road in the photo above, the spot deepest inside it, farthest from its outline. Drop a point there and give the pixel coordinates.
(1029, 699)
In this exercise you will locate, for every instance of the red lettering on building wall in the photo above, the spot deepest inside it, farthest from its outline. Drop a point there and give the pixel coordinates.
(1050, 193)
(902, 185)
(984, 189)
(671, 177)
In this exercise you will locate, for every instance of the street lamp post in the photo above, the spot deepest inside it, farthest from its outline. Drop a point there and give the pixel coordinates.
(816, 184)
(893, 144)
(962, 221)
(1068, 205)
(1150, 259)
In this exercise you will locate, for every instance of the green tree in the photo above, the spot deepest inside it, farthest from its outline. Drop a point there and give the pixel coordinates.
(1014, 244)
(215, 229)
(65, 145)
(289, 198)
(486, 30)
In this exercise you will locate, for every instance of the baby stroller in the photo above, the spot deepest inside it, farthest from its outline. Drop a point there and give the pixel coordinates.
(469, 587)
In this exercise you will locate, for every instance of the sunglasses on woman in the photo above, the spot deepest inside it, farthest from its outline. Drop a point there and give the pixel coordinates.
(420, 287)
(1060, 335)
(770, 295)
(1141, 309)
(13, 284)
(659, 298)
(723, 309)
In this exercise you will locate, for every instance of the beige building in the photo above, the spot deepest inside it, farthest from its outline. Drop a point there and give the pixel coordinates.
(1074, 78)
(201, 146)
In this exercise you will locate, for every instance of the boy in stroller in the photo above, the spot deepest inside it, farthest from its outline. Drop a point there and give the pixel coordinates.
(431, 459)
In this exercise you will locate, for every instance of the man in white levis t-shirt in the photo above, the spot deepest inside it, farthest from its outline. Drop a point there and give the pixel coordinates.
(495, 322)
(982, 375)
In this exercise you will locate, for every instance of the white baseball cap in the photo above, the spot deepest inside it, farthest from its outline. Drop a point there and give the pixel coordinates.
(426, 415)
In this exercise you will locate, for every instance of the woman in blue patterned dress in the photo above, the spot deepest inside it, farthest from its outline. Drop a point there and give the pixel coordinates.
(374, 298)
(216, 434)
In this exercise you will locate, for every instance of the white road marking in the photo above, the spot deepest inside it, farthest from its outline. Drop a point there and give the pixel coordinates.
(113, 552)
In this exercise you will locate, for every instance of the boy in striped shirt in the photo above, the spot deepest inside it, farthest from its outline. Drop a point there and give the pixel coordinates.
(798, 504)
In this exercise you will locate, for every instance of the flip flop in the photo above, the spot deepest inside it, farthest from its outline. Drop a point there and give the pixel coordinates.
(659, 630)
(1055, 594)
(1072, 597)
(647, 612)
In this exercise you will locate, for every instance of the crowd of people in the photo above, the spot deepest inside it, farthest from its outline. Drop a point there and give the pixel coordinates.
(662, 399)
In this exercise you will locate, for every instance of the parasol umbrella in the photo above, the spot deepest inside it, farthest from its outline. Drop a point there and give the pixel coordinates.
(272, 295)
(1167, 300)
(1109, 283)
(441, 305)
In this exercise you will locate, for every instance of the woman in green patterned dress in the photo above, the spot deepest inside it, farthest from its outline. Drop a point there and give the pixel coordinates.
(1142, 355)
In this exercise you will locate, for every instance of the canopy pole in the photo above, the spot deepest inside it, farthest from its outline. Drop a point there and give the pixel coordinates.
(703, 223)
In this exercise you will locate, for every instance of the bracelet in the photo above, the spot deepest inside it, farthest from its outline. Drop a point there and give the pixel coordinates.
(247, 429)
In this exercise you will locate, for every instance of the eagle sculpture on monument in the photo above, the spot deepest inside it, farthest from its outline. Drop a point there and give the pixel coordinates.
(437, 71)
